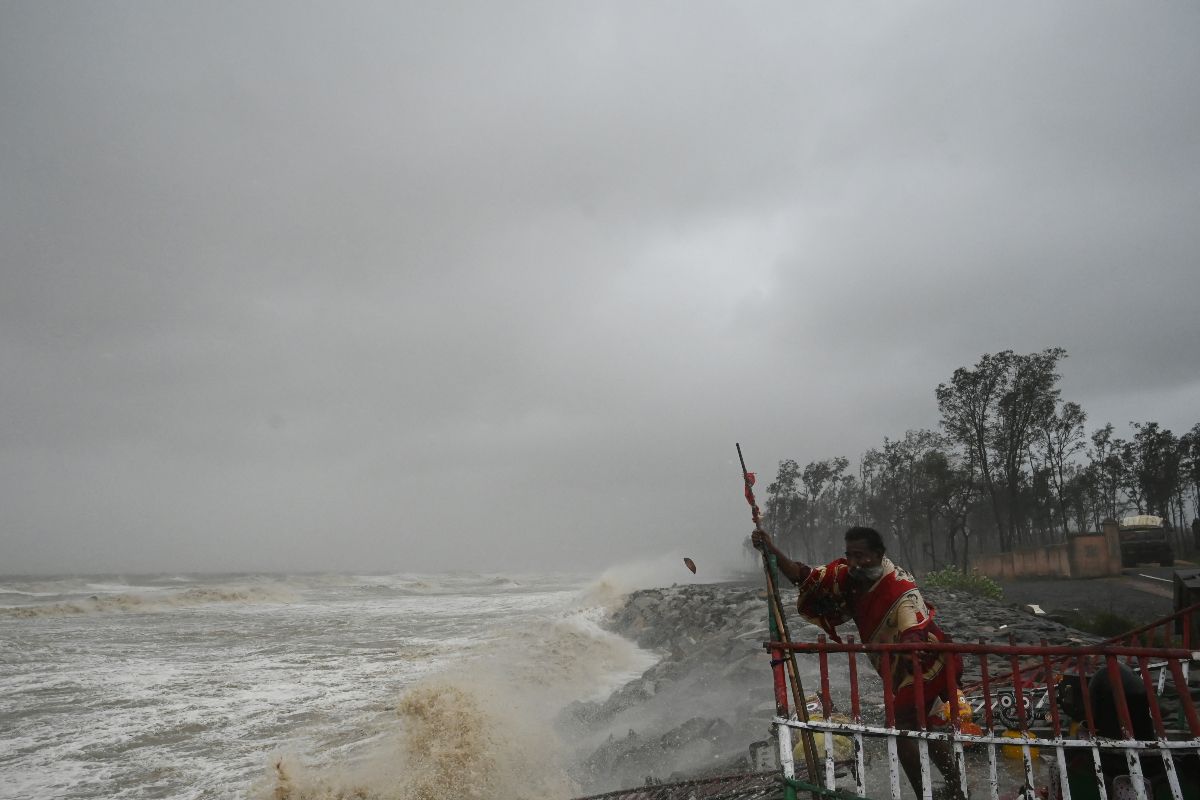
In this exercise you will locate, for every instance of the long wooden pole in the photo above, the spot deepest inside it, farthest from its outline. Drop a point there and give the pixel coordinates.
(775, 608)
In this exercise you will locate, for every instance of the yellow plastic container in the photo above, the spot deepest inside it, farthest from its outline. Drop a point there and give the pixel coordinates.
(1013, 751)
(843, 746)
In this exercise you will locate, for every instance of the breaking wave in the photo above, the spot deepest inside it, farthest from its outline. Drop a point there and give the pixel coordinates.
(452, 742)
(147, 603)
(572, 658)
(485, 729)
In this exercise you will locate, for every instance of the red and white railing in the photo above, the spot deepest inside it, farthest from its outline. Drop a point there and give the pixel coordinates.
(1114, 747)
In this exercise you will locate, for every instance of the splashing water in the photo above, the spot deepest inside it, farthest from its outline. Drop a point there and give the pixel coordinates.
(447, 748)
(296, 687)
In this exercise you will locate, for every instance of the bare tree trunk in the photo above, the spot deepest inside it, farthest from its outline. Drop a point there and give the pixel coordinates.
(932, 546)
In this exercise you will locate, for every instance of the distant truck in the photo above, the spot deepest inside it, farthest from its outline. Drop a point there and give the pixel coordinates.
(1143, 539)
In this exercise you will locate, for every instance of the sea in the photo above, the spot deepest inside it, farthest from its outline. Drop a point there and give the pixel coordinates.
(290, 687)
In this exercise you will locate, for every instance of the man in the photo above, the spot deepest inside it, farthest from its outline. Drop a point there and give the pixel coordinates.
(887, 607)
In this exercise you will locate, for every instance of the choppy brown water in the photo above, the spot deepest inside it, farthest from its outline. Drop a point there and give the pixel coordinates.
(295, 687)
(447, 745)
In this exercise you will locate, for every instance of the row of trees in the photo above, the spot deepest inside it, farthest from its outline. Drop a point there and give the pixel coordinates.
(1012, 466)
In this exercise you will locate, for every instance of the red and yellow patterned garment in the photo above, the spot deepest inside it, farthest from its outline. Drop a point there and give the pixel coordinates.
(888, 611)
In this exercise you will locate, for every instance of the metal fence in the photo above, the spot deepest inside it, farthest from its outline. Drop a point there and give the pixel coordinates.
(1175, 630)
(1115, 719)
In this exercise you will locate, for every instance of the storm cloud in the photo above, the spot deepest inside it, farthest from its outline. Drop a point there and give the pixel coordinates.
(489, 286)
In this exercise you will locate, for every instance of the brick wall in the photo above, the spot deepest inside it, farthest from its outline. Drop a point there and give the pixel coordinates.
(1090, 555)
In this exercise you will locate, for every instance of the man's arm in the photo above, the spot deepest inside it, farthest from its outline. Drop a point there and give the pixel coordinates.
(795, 571)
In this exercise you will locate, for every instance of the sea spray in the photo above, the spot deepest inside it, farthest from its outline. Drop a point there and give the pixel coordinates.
(482, 727)
(618, 581)
(447, 746)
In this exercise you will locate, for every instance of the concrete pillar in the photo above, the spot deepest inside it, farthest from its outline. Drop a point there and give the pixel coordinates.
(1112, 537)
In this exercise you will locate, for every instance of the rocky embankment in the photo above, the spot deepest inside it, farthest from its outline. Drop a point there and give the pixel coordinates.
(697, 710)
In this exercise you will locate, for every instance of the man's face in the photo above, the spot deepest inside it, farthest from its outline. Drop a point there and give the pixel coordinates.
(865, 564)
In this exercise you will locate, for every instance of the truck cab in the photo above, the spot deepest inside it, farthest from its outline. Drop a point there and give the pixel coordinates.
(1144, 539)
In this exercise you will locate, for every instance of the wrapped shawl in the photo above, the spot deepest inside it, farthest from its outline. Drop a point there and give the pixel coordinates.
(888, 611)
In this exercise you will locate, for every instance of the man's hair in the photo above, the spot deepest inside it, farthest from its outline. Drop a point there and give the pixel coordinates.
(868, 535)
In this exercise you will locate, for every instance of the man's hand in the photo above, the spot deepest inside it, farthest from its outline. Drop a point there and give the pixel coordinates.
(917, 636)
(794, 571)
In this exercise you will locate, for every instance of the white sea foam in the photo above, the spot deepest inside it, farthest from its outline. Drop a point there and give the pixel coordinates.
(26, 593)
(483, 726)
(463, 733)
(150, 600)
(107, 587)
(345, 678)
(451, 741)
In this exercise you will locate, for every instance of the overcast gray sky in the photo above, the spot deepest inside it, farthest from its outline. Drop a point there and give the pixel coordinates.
(497, 286)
